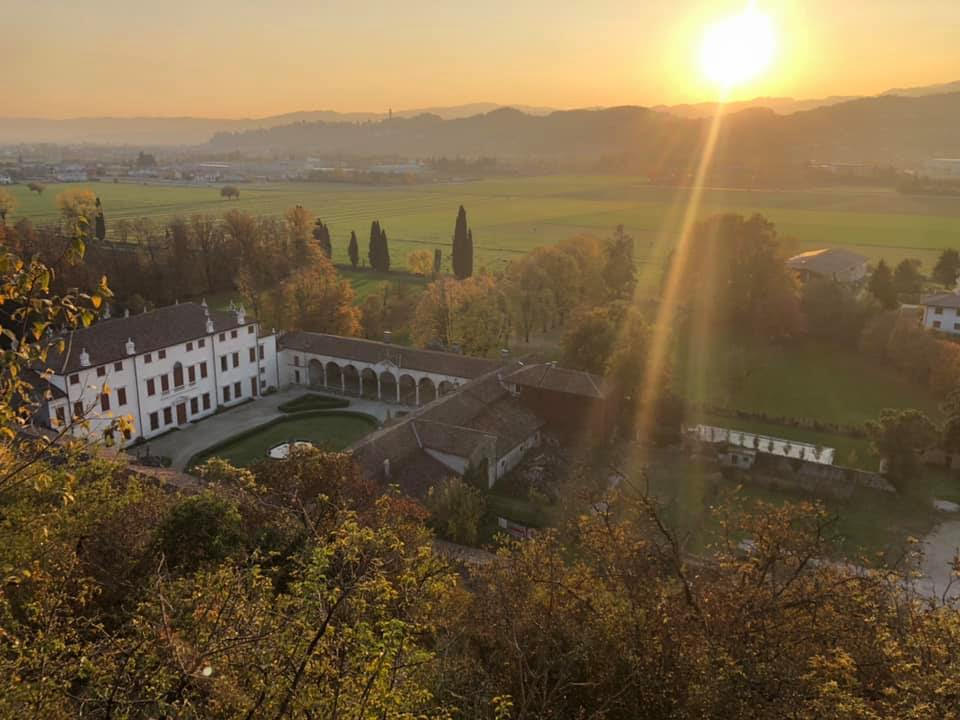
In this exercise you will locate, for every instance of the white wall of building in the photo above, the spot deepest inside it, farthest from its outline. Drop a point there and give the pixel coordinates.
(178, 397)
(942, 319)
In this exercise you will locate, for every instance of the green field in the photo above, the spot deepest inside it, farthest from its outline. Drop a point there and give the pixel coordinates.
(511, 216)
(331, 431)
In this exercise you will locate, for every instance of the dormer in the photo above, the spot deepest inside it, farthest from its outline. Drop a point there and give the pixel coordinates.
(84, 358)
(130, 347)
(209, 326)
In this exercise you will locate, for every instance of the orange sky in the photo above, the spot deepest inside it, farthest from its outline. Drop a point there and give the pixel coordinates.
(254, 58)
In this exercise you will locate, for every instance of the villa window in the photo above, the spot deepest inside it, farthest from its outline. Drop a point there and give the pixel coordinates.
(226, 393)
(178, 375)
(74, 379)
(101, 371)
(121, 396)
(223, 363)
(206, 401)
(104, 402)
(78, 409)
(936, 324)
(194, 406)
(261, 352)
(203, 369)
(236, 359)
(162, 354)
(938, 311)
(237, 390)
(296, 376)
(151, 387)
(296, 361)
(154, 421)
(164, 383)
(167, 416)
(189, 346)
(223, 336)
(148, 358)
(201, 343)
(118, 367)
(233, 333)
(250, 330)
(192, 374)
(61, 417)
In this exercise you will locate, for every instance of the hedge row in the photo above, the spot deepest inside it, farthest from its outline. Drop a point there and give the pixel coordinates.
(304, 403)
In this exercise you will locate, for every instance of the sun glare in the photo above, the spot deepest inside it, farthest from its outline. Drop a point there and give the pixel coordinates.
(738, 49)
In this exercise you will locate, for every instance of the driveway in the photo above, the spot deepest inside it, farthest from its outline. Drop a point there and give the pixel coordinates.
(940, 548)
(183, 444)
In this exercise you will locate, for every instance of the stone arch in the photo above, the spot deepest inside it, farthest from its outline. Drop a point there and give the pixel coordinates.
(446, 387)
(388, 386)
(351, 379)
(369, 376)
(407, 387)
(316, 372)
(334, 376)
(428, 390)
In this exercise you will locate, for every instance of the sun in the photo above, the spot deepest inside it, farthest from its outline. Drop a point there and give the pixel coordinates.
(738, 49)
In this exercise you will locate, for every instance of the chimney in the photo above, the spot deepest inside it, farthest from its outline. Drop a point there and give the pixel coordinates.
(386, 469)
(203, 304)
(241, 315)
(84, 358)
(387, 336)
(209, 326)
(504, 353)
(126, 313)
(130, 347)
(106, 311)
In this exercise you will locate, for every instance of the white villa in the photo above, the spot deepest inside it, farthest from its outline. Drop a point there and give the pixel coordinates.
(163, 368)
(175, 365)
(941, 312)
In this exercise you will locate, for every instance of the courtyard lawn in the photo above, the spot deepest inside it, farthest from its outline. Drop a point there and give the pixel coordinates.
(513, 215)
(327, 430)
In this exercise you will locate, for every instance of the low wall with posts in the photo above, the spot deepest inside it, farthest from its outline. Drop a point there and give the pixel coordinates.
(831, 480)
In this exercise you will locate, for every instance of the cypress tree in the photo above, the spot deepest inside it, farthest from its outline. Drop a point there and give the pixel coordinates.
(384, 252)
(100, 228)
(373, 250)
(321, 233)
(437, 261)
(462, 247)
(353, 250)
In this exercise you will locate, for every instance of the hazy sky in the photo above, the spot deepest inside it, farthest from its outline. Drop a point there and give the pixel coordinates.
(246, 58)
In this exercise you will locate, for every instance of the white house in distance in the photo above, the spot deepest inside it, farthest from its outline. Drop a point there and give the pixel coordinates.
(941, 312)
(833, 263)
(163, 368)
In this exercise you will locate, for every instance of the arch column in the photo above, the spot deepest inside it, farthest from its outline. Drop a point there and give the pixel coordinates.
(379, 394)
(343, 381)
(360, 380)
(416, 391)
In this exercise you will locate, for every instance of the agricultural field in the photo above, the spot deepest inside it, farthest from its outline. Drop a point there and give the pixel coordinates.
(511, 216)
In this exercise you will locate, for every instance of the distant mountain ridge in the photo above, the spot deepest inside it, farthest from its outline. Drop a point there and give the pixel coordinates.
(191, 131)
(148, 131)
(885, 129)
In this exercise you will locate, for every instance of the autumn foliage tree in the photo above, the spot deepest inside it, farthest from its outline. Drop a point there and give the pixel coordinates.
(472, 314)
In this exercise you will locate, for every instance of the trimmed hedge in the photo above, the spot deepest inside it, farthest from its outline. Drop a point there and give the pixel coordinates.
(211, 451)
(304, 403)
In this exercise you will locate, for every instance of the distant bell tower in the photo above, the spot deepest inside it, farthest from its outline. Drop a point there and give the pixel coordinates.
(390, 114)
